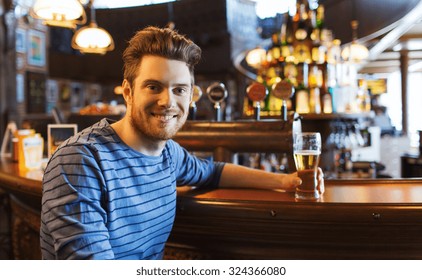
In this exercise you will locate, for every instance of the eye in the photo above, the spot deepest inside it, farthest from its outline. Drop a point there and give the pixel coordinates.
(153, 87)
(181, 91)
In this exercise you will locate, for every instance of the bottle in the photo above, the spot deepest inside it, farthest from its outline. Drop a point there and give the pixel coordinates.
(301, 32)
(320, 17)
(325, 35)
(302, 99)
(333, 52)
(290, 74)
(315, 34)
(333, 89)
(317, 50)
(275, 49)
(287, 37)
(327, 103)
(314, 101)
(302, 90)
(315, 85)
(363, 100)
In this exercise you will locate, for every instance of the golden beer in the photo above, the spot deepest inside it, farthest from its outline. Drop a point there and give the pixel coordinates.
(307, 159)
(307, 167)
(306, 152)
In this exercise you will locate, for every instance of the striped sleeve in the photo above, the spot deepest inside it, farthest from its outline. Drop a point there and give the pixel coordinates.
(194, 171)
(73, 217)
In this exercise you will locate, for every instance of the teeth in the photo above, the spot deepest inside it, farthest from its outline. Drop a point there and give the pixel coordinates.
(164, 117)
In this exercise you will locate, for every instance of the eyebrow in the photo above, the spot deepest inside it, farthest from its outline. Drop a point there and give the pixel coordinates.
(149, 81)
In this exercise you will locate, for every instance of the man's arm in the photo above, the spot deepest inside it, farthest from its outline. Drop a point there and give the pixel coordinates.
(237, 176)
(73, 220)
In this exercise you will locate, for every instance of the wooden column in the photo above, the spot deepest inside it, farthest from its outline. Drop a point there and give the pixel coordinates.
(2, 58)
(7, 63)
(404, 69)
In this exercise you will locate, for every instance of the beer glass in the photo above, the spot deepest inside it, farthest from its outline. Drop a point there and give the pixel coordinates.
(306, 152)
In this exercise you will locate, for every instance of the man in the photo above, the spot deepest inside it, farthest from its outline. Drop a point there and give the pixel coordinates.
(110, 191)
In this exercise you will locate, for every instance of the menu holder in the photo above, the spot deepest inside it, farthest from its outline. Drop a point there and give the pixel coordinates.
(196, 95)
(257, 93)
(283, 90)
(217, 93)
(57, 133)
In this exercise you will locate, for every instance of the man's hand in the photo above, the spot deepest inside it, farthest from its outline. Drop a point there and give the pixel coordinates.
(320, 178)
(291, 181)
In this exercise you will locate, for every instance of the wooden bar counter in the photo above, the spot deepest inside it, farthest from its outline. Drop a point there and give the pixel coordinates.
(356, 219)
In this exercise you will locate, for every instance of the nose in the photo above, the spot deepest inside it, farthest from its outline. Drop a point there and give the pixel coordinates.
(166, 99)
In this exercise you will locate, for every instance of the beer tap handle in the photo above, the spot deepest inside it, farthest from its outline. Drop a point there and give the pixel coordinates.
(283, 90)
(217, 93)
(196, 95)
(284, 110)
(217, 109)
(257, 92)
(257, 109)
(192, 111)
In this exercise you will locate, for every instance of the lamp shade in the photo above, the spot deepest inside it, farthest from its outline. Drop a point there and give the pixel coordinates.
(63, 13)
(92, 39)
(255, 57)
(355, 52)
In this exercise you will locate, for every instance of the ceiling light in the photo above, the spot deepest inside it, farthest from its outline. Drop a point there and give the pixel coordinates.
(255, 57)
(355, 52)
(63, 13)
(92, 39)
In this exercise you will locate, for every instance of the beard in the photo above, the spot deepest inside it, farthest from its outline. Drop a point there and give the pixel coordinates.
(152, 127)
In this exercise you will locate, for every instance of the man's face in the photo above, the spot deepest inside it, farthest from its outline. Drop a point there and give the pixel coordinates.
(159, 103)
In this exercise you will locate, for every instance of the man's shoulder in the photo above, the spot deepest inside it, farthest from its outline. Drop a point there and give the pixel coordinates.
(100, 131)
(92, 137)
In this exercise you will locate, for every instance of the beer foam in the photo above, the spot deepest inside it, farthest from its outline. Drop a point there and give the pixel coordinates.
(307, 152)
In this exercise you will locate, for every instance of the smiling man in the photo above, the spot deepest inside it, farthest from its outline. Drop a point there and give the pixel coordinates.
(109, 192)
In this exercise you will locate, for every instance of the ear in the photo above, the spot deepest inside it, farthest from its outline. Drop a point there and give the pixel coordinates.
(127, 91)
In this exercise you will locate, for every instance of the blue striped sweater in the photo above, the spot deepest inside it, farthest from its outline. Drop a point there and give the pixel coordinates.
(104, 200)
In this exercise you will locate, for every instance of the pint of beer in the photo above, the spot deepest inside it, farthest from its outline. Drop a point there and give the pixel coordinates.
(306, 152)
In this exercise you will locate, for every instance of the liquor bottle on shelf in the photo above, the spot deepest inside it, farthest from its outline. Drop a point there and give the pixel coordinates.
(302, 23)
(302, 99)
(303, 42)
(290, 74)
(327, 103)
(314, 100)
(315, 84)
(287, 37)
(302, 89)
(363, 99)
(275, 50)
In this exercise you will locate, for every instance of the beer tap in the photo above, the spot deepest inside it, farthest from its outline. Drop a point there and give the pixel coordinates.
(283, 90)
(217, 93)
(257, 92)
(196, 95)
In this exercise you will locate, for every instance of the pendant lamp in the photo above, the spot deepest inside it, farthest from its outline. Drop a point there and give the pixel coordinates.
(355, 52)
(92, 39)
(63, 13)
